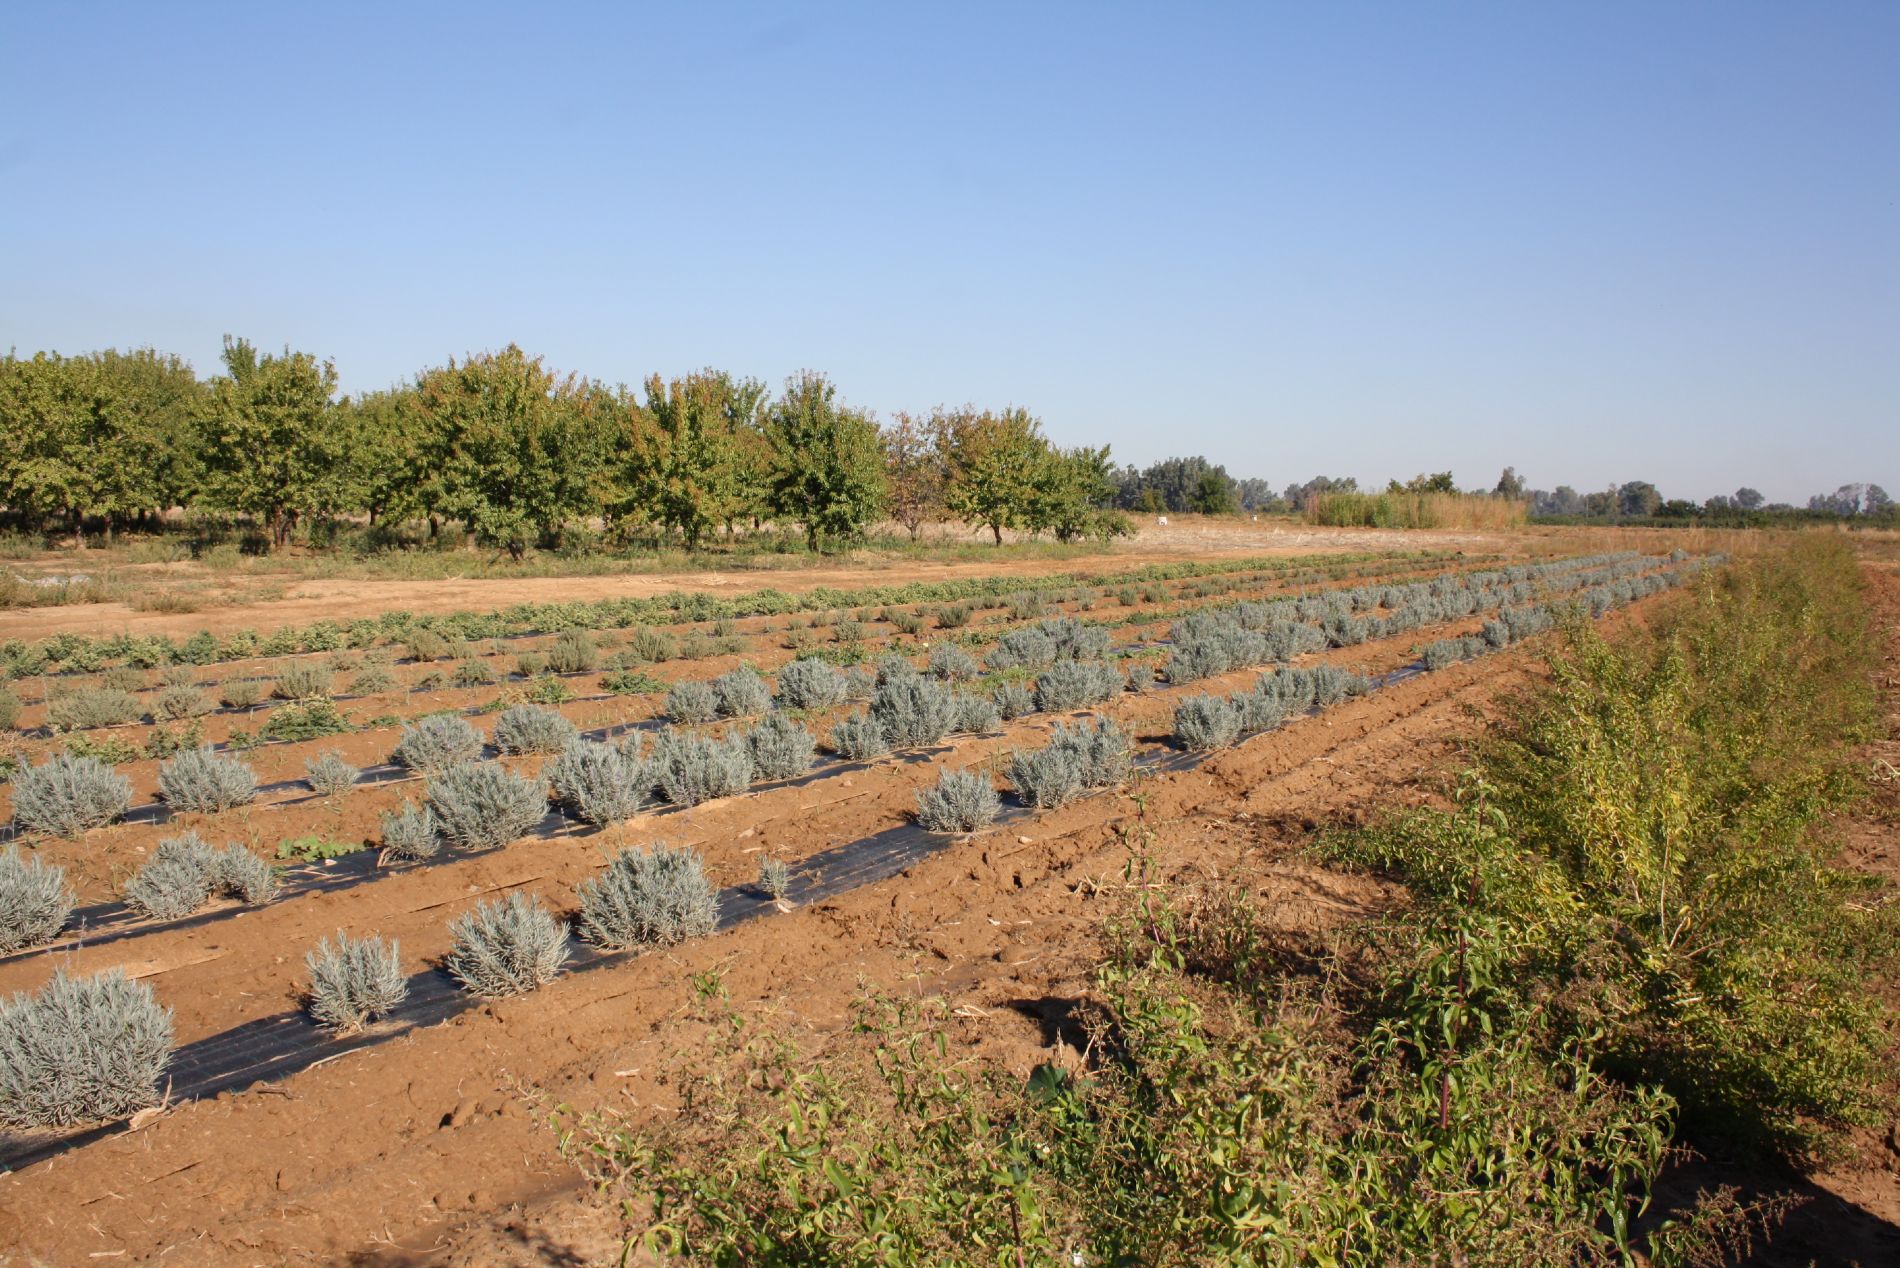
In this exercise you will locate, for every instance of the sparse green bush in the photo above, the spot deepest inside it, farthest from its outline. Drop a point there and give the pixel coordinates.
(241, 693)
(202, 780)
(372, 680)
(303, 680)
(601, 783)
(35, 901)
(573, 652)
(473, 673)
(410, 833)
(122, 678)
(653, 645)
(437, 743)
(306, 720)
(86, 710)
(780, 748)
(951, 616)
(527, 729)
(426, 645)
(506, 948)
(962, 801)
(741, 693)
(548, 689)
(66, 795)
(859, 738)
(1204, 723)
(648, 899)
(179, 676)
(810, 684)
(531, 664)
(691, 702)
(174, 704)
(480, 807)
(1026, 605)
(630, 682)
(329, 775)
(81, 1050)
(9, 709)
(691, 769)
(354, 982)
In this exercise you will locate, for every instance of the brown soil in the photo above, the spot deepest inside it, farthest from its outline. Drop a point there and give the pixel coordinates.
(305, 599)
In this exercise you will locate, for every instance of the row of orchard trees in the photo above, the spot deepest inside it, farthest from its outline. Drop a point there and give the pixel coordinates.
(516, 453)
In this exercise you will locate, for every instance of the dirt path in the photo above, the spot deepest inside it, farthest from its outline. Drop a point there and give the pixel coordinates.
(306, 599)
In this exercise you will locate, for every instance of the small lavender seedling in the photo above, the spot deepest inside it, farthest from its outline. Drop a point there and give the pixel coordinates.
(329, 775)
(775, 877)
(354, 982)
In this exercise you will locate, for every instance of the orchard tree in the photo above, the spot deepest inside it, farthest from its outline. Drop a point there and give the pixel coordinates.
(1510, 485)
(271, 448)
(1075, 496)
(515, 456)
(1213, 493)
(391, 472)
(689, 464)
(995, 462)
(54, 412)
(105, 434)
(827, 462)
(916, 468)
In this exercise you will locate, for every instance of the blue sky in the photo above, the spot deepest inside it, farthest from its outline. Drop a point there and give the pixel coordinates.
(1597, 241)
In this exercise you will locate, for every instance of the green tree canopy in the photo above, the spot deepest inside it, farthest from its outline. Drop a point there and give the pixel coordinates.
(515, 454)
(690, 463)
(271, 447)
(996, 461)
(828, 462)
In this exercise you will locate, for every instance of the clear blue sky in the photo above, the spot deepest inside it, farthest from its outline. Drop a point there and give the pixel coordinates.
(1597, 240)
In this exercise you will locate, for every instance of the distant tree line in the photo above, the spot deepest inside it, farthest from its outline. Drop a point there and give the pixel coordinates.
(1641, 500)
(514, 453)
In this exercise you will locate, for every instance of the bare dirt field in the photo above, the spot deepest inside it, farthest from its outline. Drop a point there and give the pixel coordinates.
(294, 598)
(432, 1148)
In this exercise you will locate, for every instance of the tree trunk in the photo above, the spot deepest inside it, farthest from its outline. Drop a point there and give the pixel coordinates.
(998, 530)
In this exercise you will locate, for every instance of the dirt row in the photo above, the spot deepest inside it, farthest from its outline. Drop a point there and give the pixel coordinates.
(100, 863)
(305, 598)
